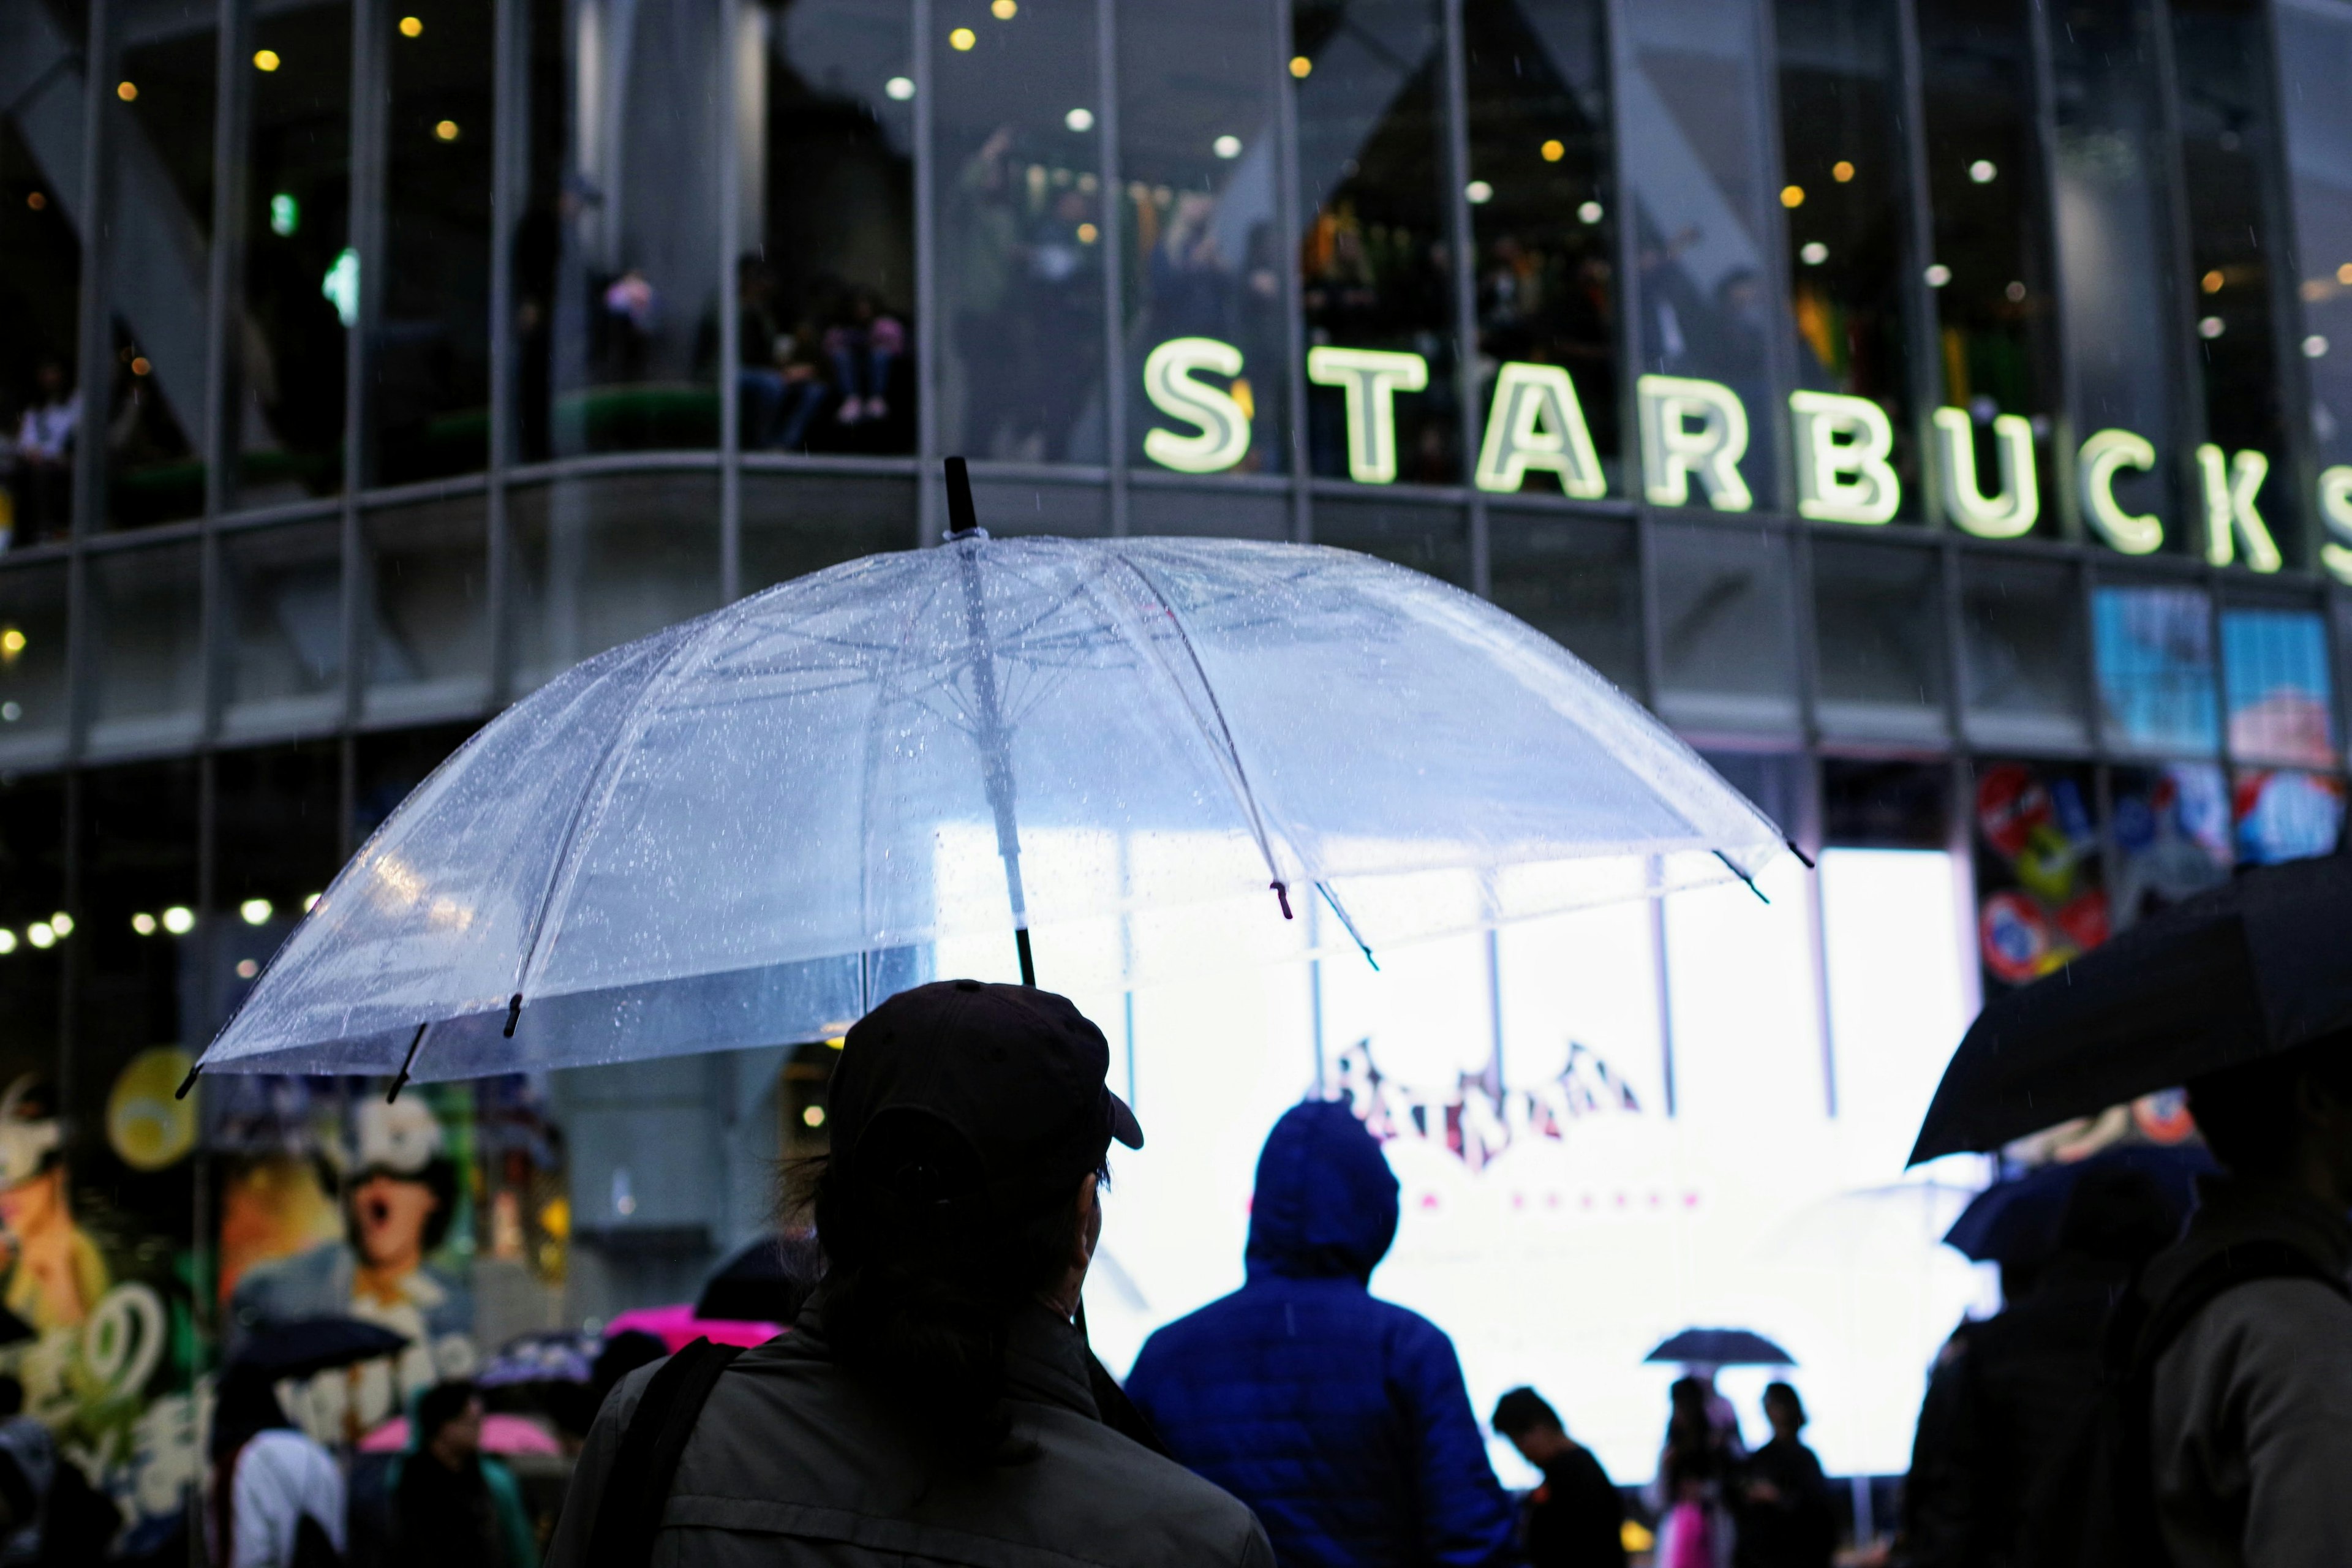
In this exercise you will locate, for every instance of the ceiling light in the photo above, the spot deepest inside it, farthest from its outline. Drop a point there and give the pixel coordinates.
(447, 130)
(411, 27)
(143, 923)
(255, 912)
(900, 88)
(1590, 212)
(2212, 282)
(1553, 151)
(265, 59)
(2210, 327)
(7, 940)
(1226, 146)
(62, 923)
(1079, 120)
(1842, 171)
(178, 920)
(246, 969)
(1938, 275)
(962, 38)
(1003, 10)
(39, 935)
(127, 92)
(1793, 195)
(1983, 171)
(1813, 253)
(2314, 346)
(1480, 193)
(1299, 66)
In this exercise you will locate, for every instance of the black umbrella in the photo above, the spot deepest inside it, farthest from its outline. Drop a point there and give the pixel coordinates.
(764, 1282)
(2228, 976)
(2016, 1221)
(1721, 1347)
(304, 1347)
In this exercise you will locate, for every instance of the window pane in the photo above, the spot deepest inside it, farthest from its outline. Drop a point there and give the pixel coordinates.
(32, 888)
(2283, 816)
(300, 274)
(2172, 836)
(1989, 275)
(1878, 612)
(429, 339)
(160, 196)
(32, 662)
(1225, 512)
(2274, 669)
(1546, 225)
(1010, 506)
(150, 650)
(2314, 60)
(1204, 253)
(828, 293)
(2114, 243)
(1703, 207)
(618, 254)
(1431, 539)
(275, 846)
(2041, 897)
(1727, 629)
(1374, 261)
(1020, 230)
(40, 292)
(799, 523)
(2023, 646)
(1842, 155)
(1885, 806)
(284, 668)
(599, 561)
(427, 645)
(2156, 668)
(1576, 580)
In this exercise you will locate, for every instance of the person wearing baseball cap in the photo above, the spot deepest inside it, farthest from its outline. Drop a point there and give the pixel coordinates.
(934, 1399)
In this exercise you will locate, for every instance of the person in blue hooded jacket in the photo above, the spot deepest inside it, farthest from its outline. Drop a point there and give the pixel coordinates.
(1341, 1419)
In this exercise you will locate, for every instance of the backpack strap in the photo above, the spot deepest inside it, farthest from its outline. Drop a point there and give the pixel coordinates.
(2165, 1319)
(637, 1488)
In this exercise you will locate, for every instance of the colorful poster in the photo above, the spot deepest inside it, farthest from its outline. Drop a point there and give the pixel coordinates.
(2171, 826)
(2040, 897)
(2282, 814)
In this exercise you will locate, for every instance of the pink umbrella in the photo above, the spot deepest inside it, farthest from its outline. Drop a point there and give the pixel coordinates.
(502, 1434)
(678, 1327)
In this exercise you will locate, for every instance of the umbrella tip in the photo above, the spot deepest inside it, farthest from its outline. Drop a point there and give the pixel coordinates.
(1802, 858)
(962, 517)
(188, 1082)
(514, 1013)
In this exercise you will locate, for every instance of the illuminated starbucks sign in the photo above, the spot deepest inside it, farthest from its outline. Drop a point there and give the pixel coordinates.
(1693, 434)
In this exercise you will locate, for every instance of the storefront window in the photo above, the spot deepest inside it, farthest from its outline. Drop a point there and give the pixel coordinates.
(32, 662)
(618, 254)
(1577, 580)
(1878, 615)
(2315, 59)
(1020, 229)
(2274, 676)
(147, 609)
(284, 668)
(1704, 213)
(277, 844)
(32, 890)
(1989, 275)
(2023, 649)
(301, 275)
(2171, 831)
(827, 282)
(428, 378)
(1375, 261)
(160, 202)
(601, 561)
(805, 522)
(40, 301)
(1430, 539)
(2115, 256)
(1847, 195)
(1202, 246)
(426, 651)
(1727, 629)
(2041, 895)
(2286, 815)
(2156, 668)
(1544, 219)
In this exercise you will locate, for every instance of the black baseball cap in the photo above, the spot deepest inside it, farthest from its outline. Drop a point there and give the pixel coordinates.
(1017, 1072)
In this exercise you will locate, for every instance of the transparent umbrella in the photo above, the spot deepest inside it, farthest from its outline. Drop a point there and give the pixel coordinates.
(745, 829)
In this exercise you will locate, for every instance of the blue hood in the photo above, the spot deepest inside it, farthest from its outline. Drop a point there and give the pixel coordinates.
(1327, 1202)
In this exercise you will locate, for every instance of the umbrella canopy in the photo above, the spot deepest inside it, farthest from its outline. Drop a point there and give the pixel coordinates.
(680, 1326)
(502, 1434)
(2226, 978)
(747, 829)
(765, 1281)
(1720, 1347)
(2016, 1221)
(304, 1347)
(541, 1357)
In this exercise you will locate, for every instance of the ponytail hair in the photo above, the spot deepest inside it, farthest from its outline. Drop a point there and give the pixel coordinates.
(927, 1262)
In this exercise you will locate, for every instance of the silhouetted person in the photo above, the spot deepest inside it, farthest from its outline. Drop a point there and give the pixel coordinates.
(452, 1507)
(277, 1495)
(1783, 1511)
(1576, 1519)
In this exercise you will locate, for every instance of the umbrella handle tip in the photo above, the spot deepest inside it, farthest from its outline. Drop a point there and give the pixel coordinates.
(188, 1082)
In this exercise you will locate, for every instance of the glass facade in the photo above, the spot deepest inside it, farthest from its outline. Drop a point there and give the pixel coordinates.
(1941, 410)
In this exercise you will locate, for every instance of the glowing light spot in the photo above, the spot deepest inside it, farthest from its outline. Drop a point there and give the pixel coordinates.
(411, 27)
(39, 935)
(1005, 10)
(7, 942)
(310, 902)
(1088, 234)
(128, 91)
(266, 61)
(814, 1116)
(1983, 171)
(143, 923)
(446, 131)
(62, 923)
(1299, 66)
(2344, 274)
(1553, 151)
(1588, 213)
(1813, 253)
(1480, 193)
(255, 912)
(962, 38)
(1938, 275)
(2015, 292)
(900, 88)
(139, 366)
(246, 969)
(2212, 282)
(12, 642)
(1793, 195)
(1079, 120)
(2314, 346)
(1842, 171)
(285, 214)
(178, 920)
(1227, 146)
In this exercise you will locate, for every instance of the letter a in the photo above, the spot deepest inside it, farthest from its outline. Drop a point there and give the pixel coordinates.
(1536, 422)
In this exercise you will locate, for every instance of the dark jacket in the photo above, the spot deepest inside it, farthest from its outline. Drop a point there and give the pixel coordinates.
(1796, 1525)
(794, 1463)
(1341, 1419)
(1577, 1517)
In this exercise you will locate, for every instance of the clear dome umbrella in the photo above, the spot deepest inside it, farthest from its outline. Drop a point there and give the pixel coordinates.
(747, 829)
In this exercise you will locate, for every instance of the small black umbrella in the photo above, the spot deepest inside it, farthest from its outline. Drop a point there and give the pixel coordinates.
(1721, 1347)
(304, 1347)
(2016, 1221)
(2228, 976)
(764, 1282)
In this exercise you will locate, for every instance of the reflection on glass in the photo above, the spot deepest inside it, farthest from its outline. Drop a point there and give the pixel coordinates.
(2274, 676)
(2283, 815)
(300, 274)
(827, 289)
(1877, 613)
(2315, 61)
(2222, 52)
(1546, 225)
(1374, 262)
(1203, 251)
(2113, 244)
(2172, 836)
(810, 521)
(2154, 652)
(428, 647)
(1431, 539)
(160, 214)
(149, 641)
(40, 301)
(618, 255)
(275, 840)
(284, 667)
(1694, 128)
(138, 855)
(1020, 229)
(1842, 157)
(1727, 629)
(1989, 273)
(1574, 580)
(32, 661)
(601, 561)
(428, 376)
(2021, 649)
